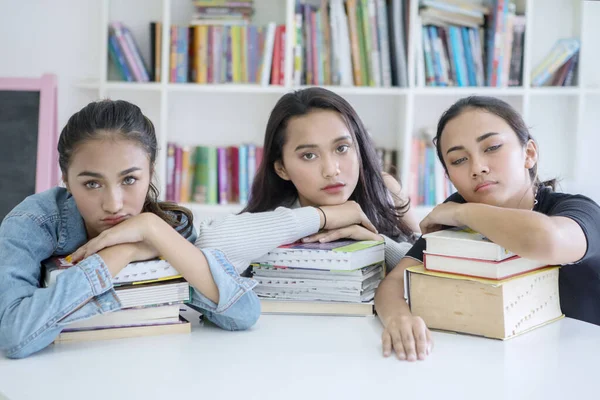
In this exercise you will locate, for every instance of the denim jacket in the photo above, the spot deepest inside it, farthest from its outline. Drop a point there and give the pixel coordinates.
(49, 224)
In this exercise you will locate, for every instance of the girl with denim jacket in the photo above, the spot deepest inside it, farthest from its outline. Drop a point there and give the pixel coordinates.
(106, 217)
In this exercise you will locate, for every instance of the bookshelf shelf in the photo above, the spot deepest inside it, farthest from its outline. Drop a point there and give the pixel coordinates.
(230, 114)
(469, 90)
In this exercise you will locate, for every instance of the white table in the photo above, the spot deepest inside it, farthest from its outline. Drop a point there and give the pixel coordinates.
(294, 357)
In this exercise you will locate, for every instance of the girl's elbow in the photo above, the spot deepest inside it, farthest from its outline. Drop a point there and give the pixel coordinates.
(240, 316)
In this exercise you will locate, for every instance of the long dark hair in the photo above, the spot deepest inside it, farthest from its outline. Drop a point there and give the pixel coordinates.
(269, 191)
(124, 120)
(497, 107)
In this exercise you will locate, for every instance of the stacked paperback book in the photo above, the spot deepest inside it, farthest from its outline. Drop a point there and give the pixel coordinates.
(337, 278)
(470, 285)
(150, 293)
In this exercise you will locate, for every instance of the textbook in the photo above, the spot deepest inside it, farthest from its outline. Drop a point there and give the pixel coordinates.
(138, 272)
(502, 269)
(341, 255)
(70, 336)
(130, 317)
(499, 309)
(271, 306)
(466, 243)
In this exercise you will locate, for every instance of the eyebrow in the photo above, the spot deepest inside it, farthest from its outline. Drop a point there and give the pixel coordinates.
(312, 146)
(97, 175)
(478, 140)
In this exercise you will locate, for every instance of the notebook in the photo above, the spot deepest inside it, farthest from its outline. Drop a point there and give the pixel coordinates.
(136, 272)
(342, 255)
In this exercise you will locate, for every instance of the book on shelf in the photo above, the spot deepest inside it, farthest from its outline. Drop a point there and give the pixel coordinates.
(465, 44)
(466, 243)
(490, 308)
(211, 175)
(126, 55)
(337, 278)
(124, 332)
(560, 61)
(489, 269)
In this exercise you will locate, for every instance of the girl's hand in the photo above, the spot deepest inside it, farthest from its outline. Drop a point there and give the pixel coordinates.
(356, 232)
(134, 230)
(443, 214)
(344, 215)
(408, 337)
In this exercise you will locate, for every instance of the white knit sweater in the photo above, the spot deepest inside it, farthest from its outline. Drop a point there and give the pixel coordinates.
(246, 237)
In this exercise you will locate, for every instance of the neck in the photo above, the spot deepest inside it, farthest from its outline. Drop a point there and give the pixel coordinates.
(525, 201)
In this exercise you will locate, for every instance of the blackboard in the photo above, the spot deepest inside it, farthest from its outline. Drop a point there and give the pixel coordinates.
(19, 119)
(28, 138)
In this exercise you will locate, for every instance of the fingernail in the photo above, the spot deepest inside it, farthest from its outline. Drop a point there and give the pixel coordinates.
(69, 259)
(421, 356)
(402, 356)
(386, 353)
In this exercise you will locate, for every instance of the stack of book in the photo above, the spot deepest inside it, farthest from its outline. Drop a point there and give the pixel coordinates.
(337, 278)
(559, 67)
(470, 285)
(150, 292)
(126, 56)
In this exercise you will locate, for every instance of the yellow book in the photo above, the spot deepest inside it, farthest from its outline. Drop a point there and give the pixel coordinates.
(236, 50)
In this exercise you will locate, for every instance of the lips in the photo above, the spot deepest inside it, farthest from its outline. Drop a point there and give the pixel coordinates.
(114, 220)
(334, 186)
(484, 185)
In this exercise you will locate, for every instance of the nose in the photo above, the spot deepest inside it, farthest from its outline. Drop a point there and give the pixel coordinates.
(479, 167)
(331, 167)
(113, 200)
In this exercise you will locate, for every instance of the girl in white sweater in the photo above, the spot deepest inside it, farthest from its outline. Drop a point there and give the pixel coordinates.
(319, 180)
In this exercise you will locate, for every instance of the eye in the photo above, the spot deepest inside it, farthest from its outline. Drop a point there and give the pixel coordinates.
(130, 180)
(309, 156)
(343, 148)
(92, 185)
(459, 161)
(493, 148)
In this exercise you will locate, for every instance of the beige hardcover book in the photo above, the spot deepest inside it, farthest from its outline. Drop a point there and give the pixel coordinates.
(496, 309)
(183, 326)
(316, 308)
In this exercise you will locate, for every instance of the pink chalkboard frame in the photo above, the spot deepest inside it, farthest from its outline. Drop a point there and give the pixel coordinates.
(46, 175)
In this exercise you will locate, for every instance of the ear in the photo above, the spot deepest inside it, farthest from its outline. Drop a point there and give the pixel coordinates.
(531, 154)
(280, 170)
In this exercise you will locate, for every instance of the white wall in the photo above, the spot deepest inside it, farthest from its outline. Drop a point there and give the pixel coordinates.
(63, 37)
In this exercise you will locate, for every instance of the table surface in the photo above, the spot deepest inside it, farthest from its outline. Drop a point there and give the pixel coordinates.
(311, 357)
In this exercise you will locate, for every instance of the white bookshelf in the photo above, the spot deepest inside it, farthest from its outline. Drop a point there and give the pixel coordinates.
(560, 118)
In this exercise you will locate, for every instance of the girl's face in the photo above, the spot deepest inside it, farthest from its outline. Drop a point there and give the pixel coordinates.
(485, 161)
(320, 158)
(109, 179)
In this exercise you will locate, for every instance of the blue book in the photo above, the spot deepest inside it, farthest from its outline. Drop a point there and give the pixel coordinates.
(469, 57)
(119, 59)
(243, 173)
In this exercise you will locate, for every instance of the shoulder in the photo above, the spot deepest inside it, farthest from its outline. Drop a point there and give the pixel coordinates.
(557, 203)
(43, 207)
(394, 188)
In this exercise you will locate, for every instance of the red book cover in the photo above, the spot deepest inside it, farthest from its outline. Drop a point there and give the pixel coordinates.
(276, 57)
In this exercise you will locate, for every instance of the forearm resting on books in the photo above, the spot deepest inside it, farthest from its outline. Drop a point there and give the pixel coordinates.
(117, 257)
(188, 260)
(529, 234)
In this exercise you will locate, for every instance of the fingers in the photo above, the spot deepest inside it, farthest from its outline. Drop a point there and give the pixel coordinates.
(429, 341)
(408, 341)
(420, 336)
(386, 343)
(316, 237)
(398, 345)
(93, 246)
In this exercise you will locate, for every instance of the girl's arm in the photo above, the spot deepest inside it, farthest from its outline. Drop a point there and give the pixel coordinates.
(404, 333)
(32, 317)
(400, 199)
(530, 234)
(248, 236)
